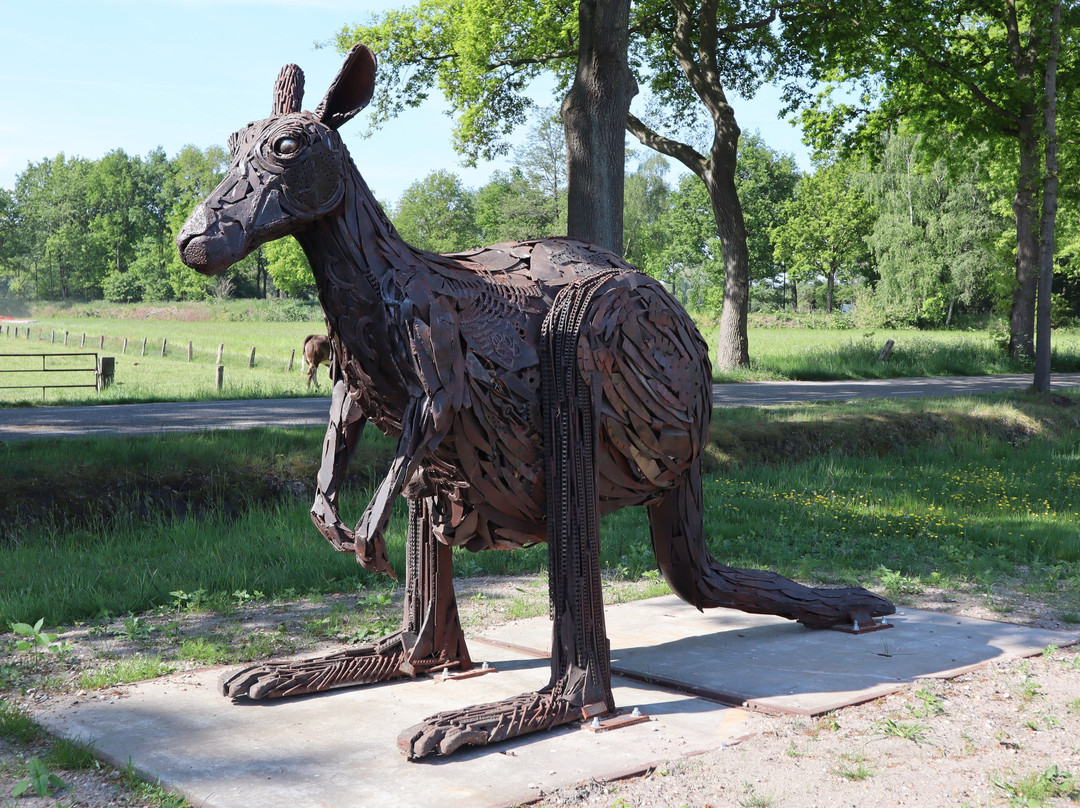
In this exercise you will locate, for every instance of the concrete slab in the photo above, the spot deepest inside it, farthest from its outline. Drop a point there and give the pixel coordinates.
(771, 664)
(339, 749)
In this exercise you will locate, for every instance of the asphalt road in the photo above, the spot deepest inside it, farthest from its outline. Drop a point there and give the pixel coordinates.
(191, 416)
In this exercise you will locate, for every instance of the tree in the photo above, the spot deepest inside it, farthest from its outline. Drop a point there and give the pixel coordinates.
(483, 56)
(288, 267)
(823, 234)
(542, 162)
(693, 261)
(194, 174)
(62, 257)
(437, 214)
(932, 231)
(119, 191)
(765, 180)
(644, 211)
(977, 67)
(510, 208)
(594, 113)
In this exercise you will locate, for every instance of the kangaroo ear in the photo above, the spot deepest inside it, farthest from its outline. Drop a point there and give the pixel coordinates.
(351, 89)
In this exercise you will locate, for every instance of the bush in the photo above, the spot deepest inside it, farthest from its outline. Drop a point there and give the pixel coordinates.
(122, 287)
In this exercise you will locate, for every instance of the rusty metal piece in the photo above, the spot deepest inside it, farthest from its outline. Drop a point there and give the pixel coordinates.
(617, 720)
(532, 387)
(860, 621)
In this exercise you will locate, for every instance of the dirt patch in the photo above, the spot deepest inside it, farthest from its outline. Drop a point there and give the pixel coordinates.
(989, 737)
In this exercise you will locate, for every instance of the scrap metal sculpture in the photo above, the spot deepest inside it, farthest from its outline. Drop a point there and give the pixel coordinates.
(532, 387)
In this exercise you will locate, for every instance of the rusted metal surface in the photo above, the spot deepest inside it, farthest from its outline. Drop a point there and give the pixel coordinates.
(316, 352)
(532, 387)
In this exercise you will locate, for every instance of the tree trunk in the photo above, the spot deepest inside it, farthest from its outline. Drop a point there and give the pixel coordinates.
(733, 346)
(594, 116)
(1049, 210)
(1022, 314)
(794, 296)
(829, 290)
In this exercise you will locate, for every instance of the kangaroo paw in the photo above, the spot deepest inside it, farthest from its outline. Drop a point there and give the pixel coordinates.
(443, 733)
(363, 665)
(834, 607)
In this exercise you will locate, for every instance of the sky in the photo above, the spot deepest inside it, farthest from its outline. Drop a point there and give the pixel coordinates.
(85, 77)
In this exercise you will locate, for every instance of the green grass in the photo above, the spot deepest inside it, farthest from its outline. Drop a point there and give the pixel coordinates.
(135, 669)
(1038, 788)
(898, 495)
(277, 328)
(151, 377)
(17, 725)
(814, 354)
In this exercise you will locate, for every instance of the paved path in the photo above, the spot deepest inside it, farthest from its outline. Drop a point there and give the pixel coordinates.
(189, 416)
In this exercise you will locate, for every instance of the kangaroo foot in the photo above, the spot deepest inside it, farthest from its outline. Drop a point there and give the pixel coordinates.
(443, 733)
(363, 665)
(833, 607)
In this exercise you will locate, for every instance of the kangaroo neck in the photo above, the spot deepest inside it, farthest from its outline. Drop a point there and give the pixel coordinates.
(358, 261)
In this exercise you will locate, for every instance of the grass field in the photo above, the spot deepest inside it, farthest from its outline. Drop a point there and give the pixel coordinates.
(895, 495)
(276, 329)
(149, 376)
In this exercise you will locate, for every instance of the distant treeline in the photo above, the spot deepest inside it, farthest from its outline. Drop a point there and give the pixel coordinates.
(917, 237)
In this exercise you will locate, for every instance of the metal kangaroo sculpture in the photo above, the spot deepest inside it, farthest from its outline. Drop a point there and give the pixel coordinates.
(532, 387)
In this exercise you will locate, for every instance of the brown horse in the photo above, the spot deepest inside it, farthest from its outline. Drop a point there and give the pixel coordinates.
(532, 388)
(316, 352)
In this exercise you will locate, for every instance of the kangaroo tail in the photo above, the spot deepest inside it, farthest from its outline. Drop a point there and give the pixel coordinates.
(699, 579)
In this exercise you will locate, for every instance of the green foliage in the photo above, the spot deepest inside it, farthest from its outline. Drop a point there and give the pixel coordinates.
(909, 731)
(823, 228)
(481, 54)
(766, 180)
(645, 204)
(288, 266)
(932, 234)
(36, 639)
(437, 214)
(122, 287)
(43, 781)
(1038, 788)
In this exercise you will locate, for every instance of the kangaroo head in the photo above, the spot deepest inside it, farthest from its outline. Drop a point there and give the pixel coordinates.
(287, 170)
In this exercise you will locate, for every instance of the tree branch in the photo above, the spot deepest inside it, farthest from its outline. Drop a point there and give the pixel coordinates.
(650, 138)
(533, 60)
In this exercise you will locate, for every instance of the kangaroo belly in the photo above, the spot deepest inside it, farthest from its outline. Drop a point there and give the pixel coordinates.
(648, 372)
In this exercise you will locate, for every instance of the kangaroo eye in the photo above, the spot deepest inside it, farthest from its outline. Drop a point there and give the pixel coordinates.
(287, 145)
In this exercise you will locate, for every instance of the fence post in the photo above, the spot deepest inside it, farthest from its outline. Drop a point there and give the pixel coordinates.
(144, 346)
(251, 359)
(220, 376)
(220, 350)
(53, 336)
(101, 344)
(82, 342)
(16, 332)
(189, 350)
(106, 372)
(163, 346)
(65, 337)
(292, 356)
(124, 349)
